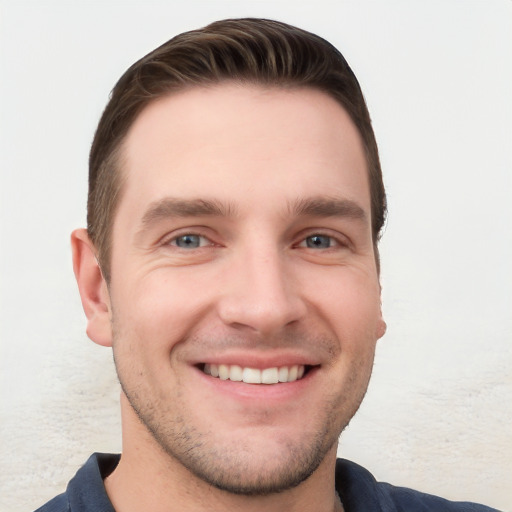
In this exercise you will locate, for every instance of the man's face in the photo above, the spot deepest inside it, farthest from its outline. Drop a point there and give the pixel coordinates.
(242, 249)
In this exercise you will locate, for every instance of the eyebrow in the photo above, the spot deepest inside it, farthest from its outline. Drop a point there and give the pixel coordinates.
(315, 207)
(327, 207)
(173, 207)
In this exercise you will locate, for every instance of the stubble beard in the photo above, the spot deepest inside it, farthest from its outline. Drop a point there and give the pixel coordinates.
(235, 468)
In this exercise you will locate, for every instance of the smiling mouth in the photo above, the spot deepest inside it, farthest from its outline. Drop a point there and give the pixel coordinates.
(274, 375)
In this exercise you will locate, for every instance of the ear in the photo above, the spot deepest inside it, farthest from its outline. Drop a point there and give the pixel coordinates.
(92, 287)
(381, 326)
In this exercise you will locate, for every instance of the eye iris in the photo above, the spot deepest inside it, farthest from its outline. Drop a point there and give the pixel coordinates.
(188, 241)
(318, 242)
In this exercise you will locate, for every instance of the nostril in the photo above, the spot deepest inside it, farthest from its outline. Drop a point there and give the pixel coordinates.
(261, 305)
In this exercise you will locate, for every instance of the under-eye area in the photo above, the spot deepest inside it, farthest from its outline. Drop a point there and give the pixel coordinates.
(273, 375)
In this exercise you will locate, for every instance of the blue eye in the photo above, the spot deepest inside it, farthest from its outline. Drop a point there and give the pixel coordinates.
(318, 242)
(188, 241)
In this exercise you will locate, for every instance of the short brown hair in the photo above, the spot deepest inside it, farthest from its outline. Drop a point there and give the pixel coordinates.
(248, 50)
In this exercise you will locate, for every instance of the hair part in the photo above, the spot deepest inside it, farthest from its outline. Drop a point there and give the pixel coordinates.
(250, 50)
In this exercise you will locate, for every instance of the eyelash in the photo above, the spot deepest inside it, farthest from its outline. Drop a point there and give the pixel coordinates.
(174, 240)
(333, 241)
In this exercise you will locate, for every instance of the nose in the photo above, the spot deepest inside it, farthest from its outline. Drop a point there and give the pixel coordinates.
(260, 293)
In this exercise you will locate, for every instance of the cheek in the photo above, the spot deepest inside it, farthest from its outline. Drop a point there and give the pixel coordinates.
(351, 304)
(158, 311)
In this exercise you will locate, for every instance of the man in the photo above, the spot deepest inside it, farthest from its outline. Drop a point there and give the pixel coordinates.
(231, 261)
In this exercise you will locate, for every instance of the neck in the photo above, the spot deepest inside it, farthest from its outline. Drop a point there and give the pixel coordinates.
(147, 478)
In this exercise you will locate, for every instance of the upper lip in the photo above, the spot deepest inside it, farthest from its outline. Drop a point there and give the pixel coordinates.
(259, 360)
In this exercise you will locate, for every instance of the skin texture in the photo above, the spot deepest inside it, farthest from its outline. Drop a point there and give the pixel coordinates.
(272, 187)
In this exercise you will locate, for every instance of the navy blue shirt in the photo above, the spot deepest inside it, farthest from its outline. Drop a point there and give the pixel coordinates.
(358, 490)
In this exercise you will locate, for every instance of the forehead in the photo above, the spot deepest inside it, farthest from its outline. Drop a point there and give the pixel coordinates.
(243, 141)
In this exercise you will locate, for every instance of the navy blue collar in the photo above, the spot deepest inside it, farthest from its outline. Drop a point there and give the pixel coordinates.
(86, 491)
(358, 490)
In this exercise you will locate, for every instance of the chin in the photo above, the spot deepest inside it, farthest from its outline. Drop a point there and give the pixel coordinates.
(244, 469)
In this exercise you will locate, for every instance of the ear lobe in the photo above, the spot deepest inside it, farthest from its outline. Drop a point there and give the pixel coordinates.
(381, 328)
(381, 325)
(92, 287)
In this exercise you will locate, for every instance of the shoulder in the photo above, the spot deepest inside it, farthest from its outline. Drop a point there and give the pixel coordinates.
(420, 501)
(86, 491)
(58, 504)
(360, 491)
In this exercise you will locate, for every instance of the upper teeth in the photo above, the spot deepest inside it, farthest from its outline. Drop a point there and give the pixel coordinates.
(254, 375)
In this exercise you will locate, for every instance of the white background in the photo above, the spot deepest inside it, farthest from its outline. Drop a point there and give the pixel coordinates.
(437, 75)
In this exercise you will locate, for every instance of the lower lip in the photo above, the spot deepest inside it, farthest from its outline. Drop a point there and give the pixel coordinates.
(254, 392)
